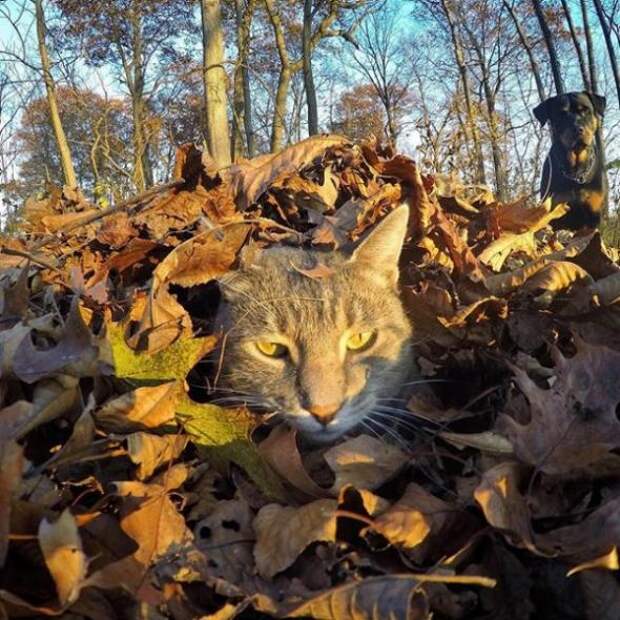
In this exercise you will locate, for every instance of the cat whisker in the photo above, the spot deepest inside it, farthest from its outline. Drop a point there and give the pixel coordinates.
(397, 421)
(403, 412)
(218, 390)
(253, 401)
(365, 424)
(420, 422)
(425, 381)
(391, 400)
(400, 441)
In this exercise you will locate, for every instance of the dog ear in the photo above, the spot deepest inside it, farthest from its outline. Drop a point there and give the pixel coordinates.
(599, 102)
(541, 112)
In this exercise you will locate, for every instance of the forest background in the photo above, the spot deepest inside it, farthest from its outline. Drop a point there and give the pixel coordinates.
(99, 94)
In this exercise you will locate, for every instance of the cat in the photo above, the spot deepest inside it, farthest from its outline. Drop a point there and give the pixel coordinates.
(319, 337)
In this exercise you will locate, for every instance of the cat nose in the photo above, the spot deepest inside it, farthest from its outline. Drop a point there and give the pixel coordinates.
(324, 413)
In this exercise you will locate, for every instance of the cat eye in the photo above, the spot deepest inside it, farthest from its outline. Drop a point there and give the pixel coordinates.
(360, 341)
(271, 349)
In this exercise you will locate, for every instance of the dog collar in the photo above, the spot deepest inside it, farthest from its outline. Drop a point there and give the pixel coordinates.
(583, 177)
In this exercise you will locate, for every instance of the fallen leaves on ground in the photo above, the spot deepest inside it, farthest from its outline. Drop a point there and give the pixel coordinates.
(126, 488)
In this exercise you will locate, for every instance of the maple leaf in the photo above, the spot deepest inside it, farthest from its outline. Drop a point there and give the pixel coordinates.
(223, 437)
(171, 363)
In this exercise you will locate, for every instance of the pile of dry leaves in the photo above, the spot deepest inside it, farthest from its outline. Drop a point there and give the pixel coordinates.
(125, 493)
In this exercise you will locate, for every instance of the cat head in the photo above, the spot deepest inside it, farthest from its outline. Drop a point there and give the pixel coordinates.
(320, 337)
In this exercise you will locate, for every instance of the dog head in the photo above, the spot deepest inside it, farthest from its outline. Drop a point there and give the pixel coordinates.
(574, 119)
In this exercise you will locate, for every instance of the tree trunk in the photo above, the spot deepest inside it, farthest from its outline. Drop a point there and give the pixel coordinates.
(313, 116)
(139, 142)
(279, 109)
(471, 122)
(391, 131)
(489, 98)
(573, 34)
(214, 80)
(610, 46)
(279, 112)
(498, 165)
(590, 47)
(247, 94)
(237, 147)
(50, 88)
(243, 98)
(134, 73)
(540, 87)
(553, 56)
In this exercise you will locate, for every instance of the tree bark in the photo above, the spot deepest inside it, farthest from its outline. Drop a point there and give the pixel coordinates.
(609, 43)
(279, 111)
(243, 98)
(540, 87)
(247, 94)
(289, 68)
(134, 75)
(589, 47)
(313, 116)
(573, 34)
(214, 80)
(471, 122)
(553, 56)
(52, 101)
(237, 147)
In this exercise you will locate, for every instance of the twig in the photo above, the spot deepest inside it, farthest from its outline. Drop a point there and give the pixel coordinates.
(108, 211)
(30, 257)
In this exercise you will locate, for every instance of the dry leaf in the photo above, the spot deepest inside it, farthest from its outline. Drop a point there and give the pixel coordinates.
(249, 179)
(503, 504)
(11, 464)
(364, 462)
(609, 561)
(150, 518)
(281, 452)
(143, 408)
(410, 520)
(588, 540)
(556, 276)
(573, 423)
(62, 550)
(283, 532)
(397, 597)
(226, 538)
(76, 353)
(485, 442)
(151, 451)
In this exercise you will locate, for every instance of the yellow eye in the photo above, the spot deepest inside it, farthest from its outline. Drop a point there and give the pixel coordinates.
(272, 349)
(360, 341)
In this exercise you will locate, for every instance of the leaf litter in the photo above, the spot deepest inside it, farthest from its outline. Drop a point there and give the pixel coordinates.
(125, 490)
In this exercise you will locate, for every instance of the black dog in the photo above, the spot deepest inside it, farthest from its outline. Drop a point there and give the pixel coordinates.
(574, 169)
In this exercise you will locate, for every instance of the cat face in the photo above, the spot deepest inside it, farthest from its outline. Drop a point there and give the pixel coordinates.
(319, 337)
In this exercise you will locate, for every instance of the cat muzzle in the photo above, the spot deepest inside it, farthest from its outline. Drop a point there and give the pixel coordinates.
(324, 414)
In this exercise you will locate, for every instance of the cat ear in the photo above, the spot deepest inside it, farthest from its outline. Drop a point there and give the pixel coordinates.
(381, 248)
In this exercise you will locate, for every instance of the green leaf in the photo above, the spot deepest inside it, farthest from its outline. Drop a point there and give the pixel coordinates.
(223, 436)
(169, 364)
